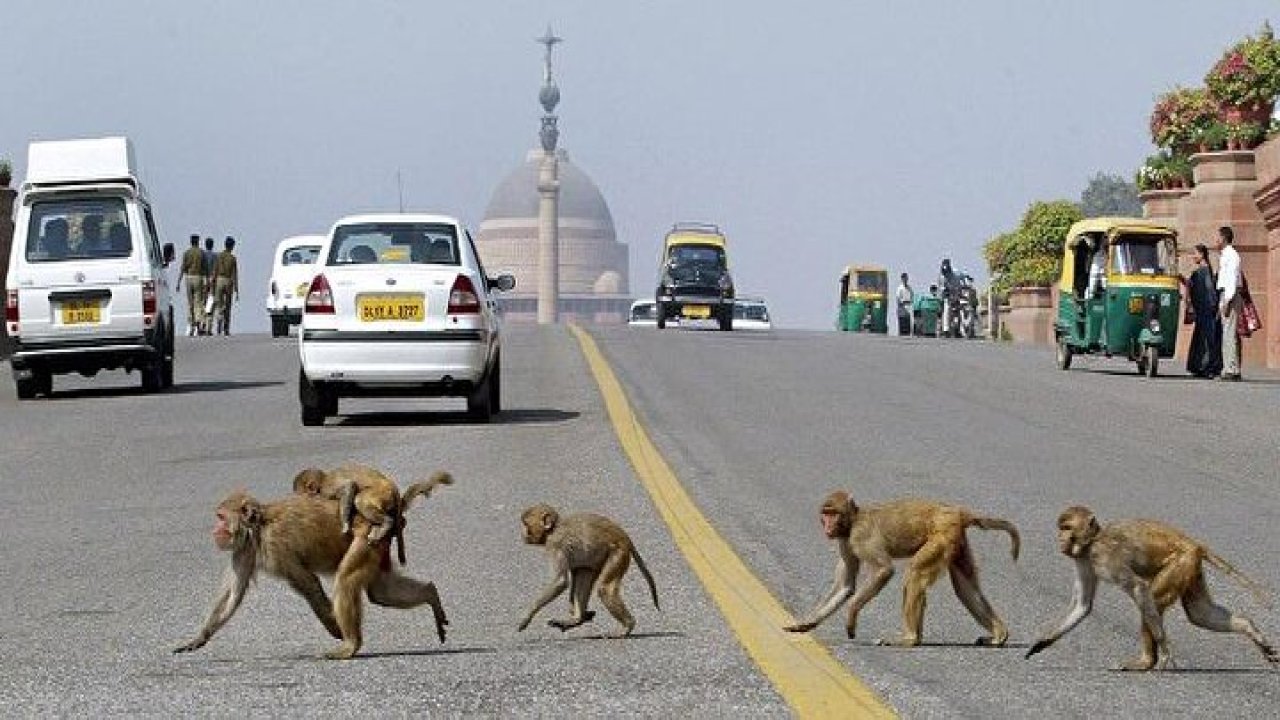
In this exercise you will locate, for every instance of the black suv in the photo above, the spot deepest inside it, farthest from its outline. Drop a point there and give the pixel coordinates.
(694, 281)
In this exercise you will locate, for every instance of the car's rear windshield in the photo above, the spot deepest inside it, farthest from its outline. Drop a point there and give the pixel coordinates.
(644, 311)
(300, 255)
(750, 311)
(78, 229)
(394, 244)
(697, 254)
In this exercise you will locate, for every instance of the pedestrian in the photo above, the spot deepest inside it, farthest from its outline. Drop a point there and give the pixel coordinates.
(226, 280)
(1204, 358)
(210, 258)
(1229, 302)
(905, 297)
(193, 270)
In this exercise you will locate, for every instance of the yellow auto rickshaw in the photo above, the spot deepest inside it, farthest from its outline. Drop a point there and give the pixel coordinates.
(864, 299)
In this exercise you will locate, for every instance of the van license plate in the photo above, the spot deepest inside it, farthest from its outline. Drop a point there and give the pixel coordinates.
(697, 311)
(81, 312)
(392, 308)
(1135, 304)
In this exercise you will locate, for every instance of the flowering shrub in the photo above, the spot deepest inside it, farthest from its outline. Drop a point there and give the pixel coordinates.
(1180, 116)
(1248, 73)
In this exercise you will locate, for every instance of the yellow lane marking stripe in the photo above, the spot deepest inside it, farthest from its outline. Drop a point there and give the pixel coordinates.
(802, 670)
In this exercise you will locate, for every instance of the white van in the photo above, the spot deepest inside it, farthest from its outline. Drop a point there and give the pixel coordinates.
(291, 274)
(86, 288)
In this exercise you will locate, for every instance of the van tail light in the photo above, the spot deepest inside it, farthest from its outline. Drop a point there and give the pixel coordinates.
(11, 310)
(463, 299)
(148, 302)
(319, 297)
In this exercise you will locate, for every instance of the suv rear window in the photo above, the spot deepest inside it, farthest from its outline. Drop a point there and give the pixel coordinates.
(78, 229)
(394, 244)
(300, 255)
(697, 254)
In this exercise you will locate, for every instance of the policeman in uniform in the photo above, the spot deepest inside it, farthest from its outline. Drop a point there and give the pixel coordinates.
(210, 257)
(193, 270)
(226, 282)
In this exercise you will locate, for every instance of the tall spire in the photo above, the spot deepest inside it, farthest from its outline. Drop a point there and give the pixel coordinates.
(549, 95)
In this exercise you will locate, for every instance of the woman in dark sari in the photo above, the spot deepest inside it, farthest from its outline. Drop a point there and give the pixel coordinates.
(1204, 359)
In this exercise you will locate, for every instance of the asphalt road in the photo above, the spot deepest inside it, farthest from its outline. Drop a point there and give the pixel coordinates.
(108, 563)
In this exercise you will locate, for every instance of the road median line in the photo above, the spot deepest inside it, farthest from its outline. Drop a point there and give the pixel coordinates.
(801, 669)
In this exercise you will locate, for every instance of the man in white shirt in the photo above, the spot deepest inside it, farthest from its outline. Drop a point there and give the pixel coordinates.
(1097, 270)
(1229, 302)
(905, 296)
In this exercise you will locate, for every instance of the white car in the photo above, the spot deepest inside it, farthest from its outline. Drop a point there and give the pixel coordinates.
(291, 274)
(86, 286)
(644, 313)
(751, 313)
(400, 306)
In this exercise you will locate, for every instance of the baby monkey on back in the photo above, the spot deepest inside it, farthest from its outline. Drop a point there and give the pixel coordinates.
(364, 492)
(1156, 565)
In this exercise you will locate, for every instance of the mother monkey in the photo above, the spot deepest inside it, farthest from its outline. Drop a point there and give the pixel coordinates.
(1204, 358)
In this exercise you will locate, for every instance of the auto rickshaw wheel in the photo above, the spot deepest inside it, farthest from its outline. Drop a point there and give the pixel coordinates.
(1064, 354)
(1152, 362)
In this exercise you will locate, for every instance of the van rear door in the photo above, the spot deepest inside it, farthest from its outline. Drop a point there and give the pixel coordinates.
(80, 265)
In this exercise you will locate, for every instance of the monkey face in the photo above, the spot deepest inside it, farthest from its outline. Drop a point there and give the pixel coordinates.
(233, 519)
(1077, 527)
(538, 522)
(835, 515)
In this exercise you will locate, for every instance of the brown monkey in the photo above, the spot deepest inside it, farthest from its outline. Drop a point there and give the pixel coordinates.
(931, 534)
(296, 539)
(372, 495)
(1156, 565)
(586, 550)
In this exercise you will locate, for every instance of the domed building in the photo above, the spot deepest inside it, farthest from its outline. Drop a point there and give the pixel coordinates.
(593, 267)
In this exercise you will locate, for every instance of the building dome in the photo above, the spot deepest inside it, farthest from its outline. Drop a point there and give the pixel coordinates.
(517, 195)
(592, 261)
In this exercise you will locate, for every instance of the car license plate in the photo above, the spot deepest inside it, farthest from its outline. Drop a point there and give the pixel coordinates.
(696, 311)
(1135, 304)
(81, 312)
(392, 308)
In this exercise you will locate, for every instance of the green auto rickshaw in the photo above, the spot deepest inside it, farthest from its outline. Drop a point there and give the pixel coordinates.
(864, 299)
(1118, 294)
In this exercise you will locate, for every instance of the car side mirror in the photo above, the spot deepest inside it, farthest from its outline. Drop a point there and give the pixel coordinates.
(167, 253)
(503, 282)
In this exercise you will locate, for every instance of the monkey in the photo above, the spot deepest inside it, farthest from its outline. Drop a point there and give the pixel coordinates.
(586, 551)
(296, 539)
(931, 534)
(1155, 564)
(374, 496)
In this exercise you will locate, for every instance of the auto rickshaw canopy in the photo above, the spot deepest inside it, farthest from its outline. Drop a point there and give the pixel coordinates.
(1157, 267)
(852, 279)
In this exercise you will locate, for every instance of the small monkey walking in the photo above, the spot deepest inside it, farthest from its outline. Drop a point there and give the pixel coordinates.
(931, 534)
(586, 551)
(1156, 565)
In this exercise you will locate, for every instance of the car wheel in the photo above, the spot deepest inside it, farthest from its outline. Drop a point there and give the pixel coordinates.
(279, 326)
(480, 403)
(662, 315)
(314, 401)
(495, 385)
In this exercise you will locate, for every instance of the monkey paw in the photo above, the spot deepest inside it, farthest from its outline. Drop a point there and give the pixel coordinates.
(1140, 664)
(193, 645)
(906, 641)
(800, 627)
(986, 641)
(1037, 646)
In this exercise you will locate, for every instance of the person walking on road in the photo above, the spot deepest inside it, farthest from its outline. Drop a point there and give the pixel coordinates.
(1229, 302)
(905, 297)
(226, 281)
(193, 270)
(210, 258)
(1204, 358)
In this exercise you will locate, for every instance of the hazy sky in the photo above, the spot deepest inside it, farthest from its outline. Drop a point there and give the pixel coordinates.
(817, 134)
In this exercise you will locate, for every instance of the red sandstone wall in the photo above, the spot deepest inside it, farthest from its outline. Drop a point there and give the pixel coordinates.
(1267, 197)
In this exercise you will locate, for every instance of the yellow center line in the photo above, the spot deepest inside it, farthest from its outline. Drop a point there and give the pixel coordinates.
(802, 670)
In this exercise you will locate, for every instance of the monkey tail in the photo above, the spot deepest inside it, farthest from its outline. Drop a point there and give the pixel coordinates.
(998, 524)
(1259, 592)
(440, 477)
(653, 588)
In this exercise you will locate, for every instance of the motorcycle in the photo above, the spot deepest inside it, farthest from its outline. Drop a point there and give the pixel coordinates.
(968, 309)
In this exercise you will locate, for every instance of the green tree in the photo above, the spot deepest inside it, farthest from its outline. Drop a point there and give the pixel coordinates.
(1110, 195)
(1032, 254)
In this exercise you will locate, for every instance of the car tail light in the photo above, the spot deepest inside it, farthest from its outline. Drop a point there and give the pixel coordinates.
(11, 309)
(320, 297)
(463, 298)
(148, 301)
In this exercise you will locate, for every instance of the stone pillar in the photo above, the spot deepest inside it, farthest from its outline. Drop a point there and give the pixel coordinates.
(1225, 183)
(548, 240)
(1161, 206)
(1267, 198)
(7, 196)
(1030, 317)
